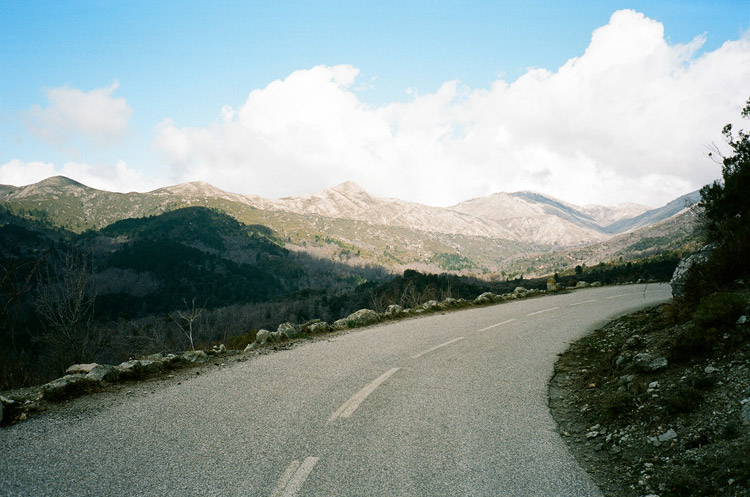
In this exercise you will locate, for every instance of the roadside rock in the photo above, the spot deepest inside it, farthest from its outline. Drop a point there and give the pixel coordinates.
(668, 435)
(70, 384)
(319, 327)
(195, 356)
(582, 284)
(393, 310)
(485, 298)
(288, 330)
(103, 372)
(429, 305)
(745, 413)
(362, 317)
(647, 363)
(680, 273)
(262, 336)
(81, 368)
(340, 324)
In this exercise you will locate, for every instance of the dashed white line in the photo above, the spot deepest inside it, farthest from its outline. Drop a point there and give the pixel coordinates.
(351, 405)
(621, 295)
(584, 302)
(543, 310)
(293, 478)
(436, 347)
(498, 324)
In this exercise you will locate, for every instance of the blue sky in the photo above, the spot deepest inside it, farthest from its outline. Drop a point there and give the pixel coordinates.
(166, 86)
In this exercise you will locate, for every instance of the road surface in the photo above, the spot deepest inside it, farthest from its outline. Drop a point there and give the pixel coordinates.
(445, 405)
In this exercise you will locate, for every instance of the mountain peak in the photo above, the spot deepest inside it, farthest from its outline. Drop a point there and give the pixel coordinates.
(348, 187)
(59, 182)
(194, 188)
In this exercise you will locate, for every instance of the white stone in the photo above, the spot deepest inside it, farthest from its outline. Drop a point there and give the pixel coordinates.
(262, 336)
(668, 435)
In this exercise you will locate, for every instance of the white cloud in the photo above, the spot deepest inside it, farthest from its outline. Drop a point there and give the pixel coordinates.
(628, 120)
(96, 116)
(19, 173)
(118, 178)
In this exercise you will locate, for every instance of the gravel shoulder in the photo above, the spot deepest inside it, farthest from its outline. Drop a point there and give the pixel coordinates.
(645, 427)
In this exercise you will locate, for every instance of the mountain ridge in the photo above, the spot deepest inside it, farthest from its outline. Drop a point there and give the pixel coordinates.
(347, 223)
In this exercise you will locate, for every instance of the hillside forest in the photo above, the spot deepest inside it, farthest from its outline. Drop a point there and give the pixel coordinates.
(109, 294)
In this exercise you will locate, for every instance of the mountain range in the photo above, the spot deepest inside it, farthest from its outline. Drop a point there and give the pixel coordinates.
(510, 233)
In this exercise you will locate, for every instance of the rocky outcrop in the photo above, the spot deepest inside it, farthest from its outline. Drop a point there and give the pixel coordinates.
(680, 274)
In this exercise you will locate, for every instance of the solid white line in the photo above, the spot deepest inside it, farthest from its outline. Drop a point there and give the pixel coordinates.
(539, 312)
(351, 405)
(436, 347)
(496, 325)
(293, 478)
(584, 302)
(621, 295)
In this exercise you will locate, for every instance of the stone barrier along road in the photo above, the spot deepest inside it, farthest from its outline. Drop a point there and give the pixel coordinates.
(450, 405)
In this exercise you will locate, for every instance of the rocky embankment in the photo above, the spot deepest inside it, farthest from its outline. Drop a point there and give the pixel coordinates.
(656, 405)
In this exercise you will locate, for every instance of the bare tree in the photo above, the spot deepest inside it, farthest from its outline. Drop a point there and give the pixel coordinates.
(185, 320)
(65, 303)
(16, 279)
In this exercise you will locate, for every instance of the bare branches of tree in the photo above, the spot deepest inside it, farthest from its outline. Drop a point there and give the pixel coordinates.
(185, 320)
(16, 278)
(65, 302)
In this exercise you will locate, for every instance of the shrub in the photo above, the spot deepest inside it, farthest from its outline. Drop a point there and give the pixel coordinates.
(719, 310)
(684, 399)
(692, 341)
(617, 404)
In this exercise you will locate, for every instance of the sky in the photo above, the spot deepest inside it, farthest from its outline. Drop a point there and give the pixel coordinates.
(434, 102)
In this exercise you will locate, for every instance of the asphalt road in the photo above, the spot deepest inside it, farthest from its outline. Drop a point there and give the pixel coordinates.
(452, 405)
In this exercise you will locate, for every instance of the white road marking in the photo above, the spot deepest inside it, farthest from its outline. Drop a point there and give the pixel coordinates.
(584, 302)
(496, 325)
(621, 295)
(436, 347)
(545, 310)
(293, 478)
(351, 405)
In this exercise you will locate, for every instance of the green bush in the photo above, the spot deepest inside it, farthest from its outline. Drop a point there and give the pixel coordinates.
(691, 342)
(719, 310)
(684, 399)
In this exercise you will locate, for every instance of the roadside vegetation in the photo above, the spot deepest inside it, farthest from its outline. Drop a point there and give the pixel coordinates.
(658, 403)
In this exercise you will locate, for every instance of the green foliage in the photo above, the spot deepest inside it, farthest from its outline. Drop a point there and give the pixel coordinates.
(727, 210)
(692, 342)
(719, 310)
(452, 262)
(659, 268)
(683, 400)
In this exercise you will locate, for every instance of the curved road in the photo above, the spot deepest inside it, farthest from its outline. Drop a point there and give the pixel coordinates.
(449, 405)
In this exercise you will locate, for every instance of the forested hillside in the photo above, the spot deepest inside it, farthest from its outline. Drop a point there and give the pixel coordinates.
(111, 293)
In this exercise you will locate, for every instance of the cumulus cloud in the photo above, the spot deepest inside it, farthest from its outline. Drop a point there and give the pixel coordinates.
(96, 116)
(627, 120)
(118, 178)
